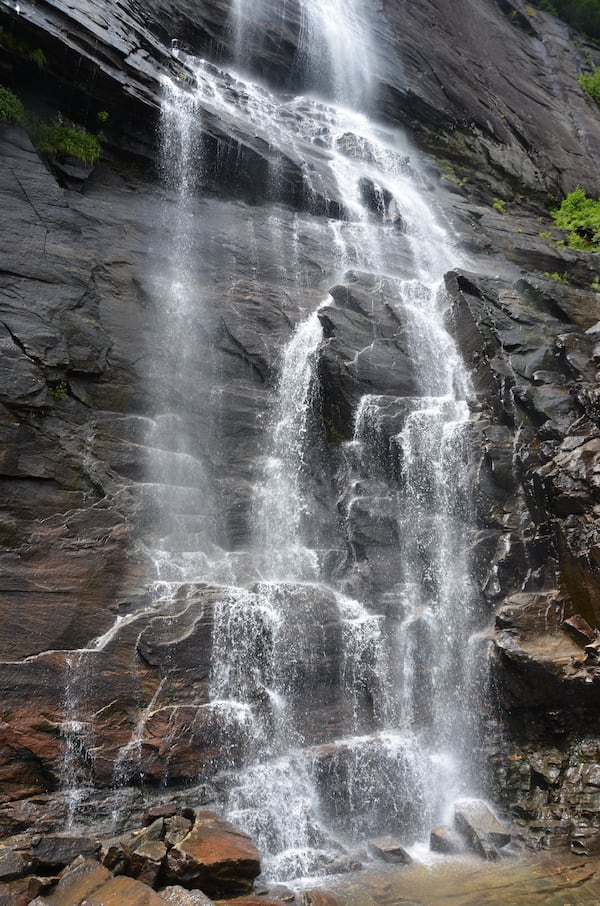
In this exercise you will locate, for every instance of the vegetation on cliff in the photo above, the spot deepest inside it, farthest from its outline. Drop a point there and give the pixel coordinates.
(11, 108)
(579, 215)
(52, 139)
(584, 15)
(590, 84)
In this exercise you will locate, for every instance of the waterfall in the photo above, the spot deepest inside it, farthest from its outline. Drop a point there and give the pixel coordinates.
(348, 678)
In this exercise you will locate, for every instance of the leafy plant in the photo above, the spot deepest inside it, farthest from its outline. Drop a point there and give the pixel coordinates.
(102, 116)
(11, 108)
(38, 57)
(60, 390)
(595, 286)
(499, 204)
(559, 278)
(59, 140)
(449, 173)
(590, 84)
(579, 216)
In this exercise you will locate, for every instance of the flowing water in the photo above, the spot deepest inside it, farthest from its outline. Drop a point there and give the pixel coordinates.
(355, 701)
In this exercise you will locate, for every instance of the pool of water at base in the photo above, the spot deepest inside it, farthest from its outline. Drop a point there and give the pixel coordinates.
(520, 881)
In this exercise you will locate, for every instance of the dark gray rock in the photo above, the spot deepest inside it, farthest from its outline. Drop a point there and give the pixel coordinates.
(12, 864)
(446, 840)
(389, 850)
(484, 833)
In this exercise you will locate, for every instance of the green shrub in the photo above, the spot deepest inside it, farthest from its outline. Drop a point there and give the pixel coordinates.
(590, 84)
(579, 216)
(499, 204)
(58, 140)
(11, 108)
(559, 278)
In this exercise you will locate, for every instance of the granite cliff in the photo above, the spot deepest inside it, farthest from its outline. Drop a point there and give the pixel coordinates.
(490, 98)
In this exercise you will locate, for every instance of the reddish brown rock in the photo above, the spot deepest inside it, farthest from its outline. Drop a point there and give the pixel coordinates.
(78, 882)
(214, 857)
(319, 897)
(579, 628)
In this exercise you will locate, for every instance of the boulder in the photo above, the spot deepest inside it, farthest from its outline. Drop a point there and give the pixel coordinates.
(250, 901)
(446, 840)
(121, 890)
(482, 830)
(54, 851)
(316, 896)
(389, 850)
(146, 861)
(214, 857)
(179, 896)
(77, 882)
(12, 864)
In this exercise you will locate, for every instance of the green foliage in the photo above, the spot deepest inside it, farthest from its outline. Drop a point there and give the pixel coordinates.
(11, 108)
(102, 116)
(38, 57)
(499, 204)
(560, 278)
(584, 15)
(450, 174)
(595, 286)
(579, 216)
(59, 140)
(60, 390)
(22, 48)
(590, 84)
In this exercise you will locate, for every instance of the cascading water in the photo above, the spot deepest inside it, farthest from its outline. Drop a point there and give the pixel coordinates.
(353, 703)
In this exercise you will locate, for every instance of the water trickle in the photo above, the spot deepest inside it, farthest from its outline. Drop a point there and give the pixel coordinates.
(283, 511)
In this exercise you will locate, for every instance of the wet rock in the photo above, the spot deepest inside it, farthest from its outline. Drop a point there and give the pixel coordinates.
(77, 882)
(482, 830)
(146, 861)
(179, 896)
(12, 864)
(250, 901)
(579, 628)
(446, 840)
(56, 850)
(120, 890)
(167, 810)
(389, 850)
(176, 828)
(214, 857)
(319, 897)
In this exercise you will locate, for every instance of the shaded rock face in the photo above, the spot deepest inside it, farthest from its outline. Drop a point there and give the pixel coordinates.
(88, 646)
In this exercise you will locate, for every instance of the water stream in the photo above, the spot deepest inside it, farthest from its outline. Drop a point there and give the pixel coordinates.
(356, 699)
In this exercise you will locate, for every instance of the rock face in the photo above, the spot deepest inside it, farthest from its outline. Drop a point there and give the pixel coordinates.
(107, 680)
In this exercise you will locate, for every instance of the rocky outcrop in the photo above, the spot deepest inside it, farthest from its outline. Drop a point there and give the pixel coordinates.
(107, 679)
(174, 858)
